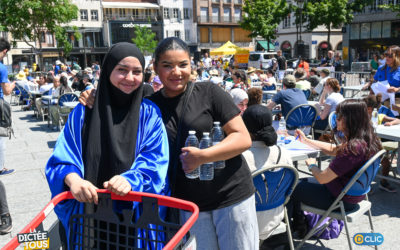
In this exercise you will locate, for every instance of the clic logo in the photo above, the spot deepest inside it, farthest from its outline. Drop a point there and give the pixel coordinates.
(368, 239)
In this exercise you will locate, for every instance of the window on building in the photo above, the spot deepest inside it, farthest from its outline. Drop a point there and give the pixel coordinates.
(187, 35)
(203, 14)
(122, 13)
(386, 29)
(84, 15)
(238, 14)
(215, 14)
(376, 30)
(396, 30)
(135, 13)
(42, 37)
(166, 13)
(287, 21)
(365, 30)
(227, 15)
(175, 13)
(49, 38)
(94, 15)
(166, 34)
(177, 33)
(147, 13)
(186, 13)
(355, 31)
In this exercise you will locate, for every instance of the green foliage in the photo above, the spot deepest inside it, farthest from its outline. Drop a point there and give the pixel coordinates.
(145, 39)
(330, 13)
(27, 19)
(262, 17)
(392, 7)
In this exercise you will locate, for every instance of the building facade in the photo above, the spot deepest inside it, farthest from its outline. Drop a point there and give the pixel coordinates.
(371, 32)
(218, 22)
(314, 44)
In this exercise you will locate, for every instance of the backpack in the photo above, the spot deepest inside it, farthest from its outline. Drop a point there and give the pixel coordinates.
(330, 232)
(5, 119)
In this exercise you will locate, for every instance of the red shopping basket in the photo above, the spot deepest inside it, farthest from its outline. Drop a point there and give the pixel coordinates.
(107, 230)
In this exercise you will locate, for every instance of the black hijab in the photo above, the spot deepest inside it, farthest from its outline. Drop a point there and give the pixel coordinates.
(258, 120)
(110, 128)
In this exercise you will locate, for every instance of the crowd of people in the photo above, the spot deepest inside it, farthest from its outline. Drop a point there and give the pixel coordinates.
(129, 130)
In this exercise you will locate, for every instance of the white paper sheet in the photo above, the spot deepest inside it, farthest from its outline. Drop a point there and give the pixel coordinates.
(382, 87)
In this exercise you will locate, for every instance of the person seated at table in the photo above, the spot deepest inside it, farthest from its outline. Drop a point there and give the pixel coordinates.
(268, 81)
(289, 97)
(369, 82)
(317, 90)
(360, 144)
(54, 109)
(252, 75)
(330, 98)
(303, 64)
(263, 153)
(255, 96)
(374, 102)
(240, 98)
(301, 83)
(314, 78)
(44, 89)
(240, 80)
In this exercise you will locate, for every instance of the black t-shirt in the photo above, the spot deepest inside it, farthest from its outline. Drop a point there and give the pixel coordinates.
(281, 62)
(208, 103)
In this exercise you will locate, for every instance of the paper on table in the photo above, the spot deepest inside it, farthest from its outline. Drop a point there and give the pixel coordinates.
(381, 87)
(297, 145)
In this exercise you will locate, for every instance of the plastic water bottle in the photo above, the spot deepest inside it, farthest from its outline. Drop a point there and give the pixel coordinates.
(217, 135)
(206, 169)
(374, 118)
(192, 141)
(281, 132)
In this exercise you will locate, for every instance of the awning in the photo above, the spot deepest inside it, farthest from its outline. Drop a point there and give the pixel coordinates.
(130, 5)
(264, 44)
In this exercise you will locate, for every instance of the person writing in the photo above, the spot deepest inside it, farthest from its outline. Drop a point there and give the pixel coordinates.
(120, 144)
(359, 145)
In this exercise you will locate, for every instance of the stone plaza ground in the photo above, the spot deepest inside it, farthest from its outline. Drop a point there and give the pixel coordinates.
(28, 192)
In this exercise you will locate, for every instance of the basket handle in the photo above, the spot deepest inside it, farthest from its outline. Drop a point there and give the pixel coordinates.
(131, 196)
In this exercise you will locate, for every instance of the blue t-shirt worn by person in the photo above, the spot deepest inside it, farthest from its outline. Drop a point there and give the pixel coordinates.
(289, 98)
(393, 77)
(3, 78)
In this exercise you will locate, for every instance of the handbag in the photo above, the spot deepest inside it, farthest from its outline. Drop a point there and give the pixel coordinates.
(5, 119)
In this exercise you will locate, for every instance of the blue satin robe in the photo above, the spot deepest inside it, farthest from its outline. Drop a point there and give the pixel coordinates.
(147, 174)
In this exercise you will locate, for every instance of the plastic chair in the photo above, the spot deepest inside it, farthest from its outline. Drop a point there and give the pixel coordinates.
(274, 185)
(307, 93)
(359, 184)
(301, 116)
(16, 95)
(62, 113)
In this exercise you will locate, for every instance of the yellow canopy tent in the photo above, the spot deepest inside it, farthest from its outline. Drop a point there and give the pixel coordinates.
(229, 49)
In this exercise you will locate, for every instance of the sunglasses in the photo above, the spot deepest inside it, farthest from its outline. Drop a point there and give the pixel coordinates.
(388, 55)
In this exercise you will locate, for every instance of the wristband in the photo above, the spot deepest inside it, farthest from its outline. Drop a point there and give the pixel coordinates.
(311, 166)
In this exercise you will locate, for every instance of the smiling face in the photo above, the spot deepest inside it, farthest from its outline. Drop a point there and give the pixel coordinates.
(174, 70)
(127, 75)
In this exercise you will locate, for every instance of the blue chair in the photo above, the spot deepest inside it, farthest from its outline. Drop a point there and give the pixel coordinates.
(63, 112)
(274, 185)
(307, 93)
(301, 116)
(359, 184)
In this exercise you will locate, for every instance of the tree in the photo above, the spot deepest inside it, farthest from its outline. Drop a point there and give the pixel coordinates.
(262, 17)
(392, 7)
(330, 13)
(145, 40)
(29, 20)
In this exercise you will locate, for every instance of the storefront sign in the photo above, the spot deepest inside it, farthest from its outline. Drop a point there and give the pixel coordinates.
(132, 25)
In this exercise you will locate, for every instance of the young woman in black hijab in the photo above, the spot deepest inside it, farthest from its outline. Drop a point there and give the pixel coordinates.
(121, 144)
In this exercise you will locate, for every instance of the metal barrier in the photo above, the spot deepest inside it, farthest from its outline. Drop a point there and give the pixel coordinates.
(356, 78)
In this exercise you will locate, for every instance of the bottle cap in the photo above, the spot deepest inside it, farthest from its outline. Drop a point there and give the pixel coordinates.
(217, 123)
(206, 133)
(192, 132)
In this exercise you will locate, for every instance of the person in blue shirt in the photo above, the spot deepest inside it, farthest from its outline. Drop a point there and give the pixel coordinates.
(6, 89)
(289, 97)
(120, 144)
(391, 70)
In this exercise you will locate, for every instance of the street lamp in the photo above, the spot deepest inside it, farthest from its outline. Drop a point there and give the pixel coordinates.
(84, 47)
(300, 4)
